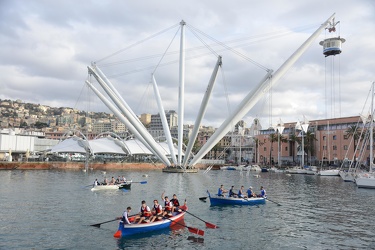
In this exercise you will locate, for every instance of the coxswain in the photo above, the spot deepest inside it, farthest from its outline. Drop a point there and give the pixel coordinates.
(125, 216)
(263, 193)
(96, 182)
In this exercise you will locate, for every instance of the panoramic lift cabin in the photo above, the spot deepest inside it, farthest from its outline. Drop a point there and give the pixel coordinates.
(332, 46)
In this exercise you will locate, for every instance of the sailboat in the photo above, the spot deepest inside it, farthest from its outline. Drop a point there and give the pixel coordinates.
(328, 172)
(367, 179)
(349, 174)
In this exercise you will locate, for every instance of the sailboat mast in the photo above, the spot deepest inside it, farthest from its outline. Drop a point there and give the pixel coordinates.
(181, 94)
(372, 129)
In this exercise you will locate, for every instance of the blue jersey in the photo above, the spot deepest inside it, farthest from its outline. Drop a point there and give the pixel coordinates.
(263, 193)
(249, 193)
(219, 192)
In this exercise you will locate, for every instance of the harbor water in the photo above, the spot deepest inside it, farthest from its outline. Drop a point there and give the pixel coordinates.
(52, 209)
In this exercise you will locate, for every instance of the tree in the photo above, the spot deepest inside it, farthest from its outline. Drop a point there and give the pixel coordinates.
(258, 143)
(272, 138)
(293, 139)
(309, 143)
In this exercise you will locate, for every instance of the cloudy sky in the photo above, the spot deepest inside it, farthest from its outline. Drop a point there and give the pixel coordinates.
(46, 46)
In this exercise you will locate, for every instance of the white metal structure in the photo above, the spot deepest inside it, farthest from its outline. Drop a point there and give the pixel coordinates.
(125, 114)
(367, 180)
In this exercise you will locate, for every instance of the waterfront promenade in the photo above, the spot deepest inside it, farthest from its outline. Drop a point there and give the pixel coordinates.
(81, 166)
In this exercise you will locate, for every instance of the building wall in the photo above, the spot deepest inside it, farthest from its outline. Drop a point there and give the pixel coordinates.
(331, 142)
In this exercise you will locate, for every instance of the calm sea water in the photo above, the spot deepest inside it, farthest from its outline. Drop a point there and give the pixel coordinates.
(53, 210)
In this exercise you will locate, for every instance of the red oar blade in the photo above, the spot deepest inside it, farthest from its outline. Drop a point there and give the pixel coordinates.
(210, 225)
(196, 231)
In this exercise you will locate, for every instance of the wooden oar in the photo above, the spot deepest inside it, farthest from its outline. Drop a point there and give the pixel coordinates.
(191, 229)
(274, 202)
(208, 224)
(98, 224)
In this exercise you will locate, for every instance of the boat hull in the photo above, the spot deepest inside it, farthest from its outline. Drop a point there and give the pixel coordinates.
(132, 229)
(330, 172)
(365, 181)
(217, 200)
(347, 176)
(112, 187)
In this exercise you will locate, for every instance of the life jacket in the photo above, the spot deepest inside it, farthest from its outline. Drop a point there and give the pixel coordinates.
(158, 209)
(146, 211)
(167, 206)
(175, 202)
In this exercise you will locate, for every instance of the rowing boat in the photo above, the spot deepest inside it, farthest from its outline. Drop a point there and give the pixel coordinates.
(125, 185)
(225, 200)
(131, 229)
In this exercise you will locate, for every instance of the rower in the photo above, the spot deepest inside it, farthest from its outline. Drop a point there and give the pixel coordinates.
(167, 205)
(157, 211)
(231, 192)
(241, 193)
(144, 213)
(221, 191)
(176, 204)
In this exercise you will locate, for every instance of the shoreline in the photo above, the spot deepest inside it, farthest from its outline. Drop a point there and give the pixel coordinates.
(81, 166)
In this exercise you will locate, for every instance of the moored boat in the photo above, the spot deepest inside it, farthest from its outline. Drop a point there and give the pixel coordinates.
(365, 180)
(131, 229)
(225, 200)
(329, 172)
(347, 176)
(296, 170)
(255, 168)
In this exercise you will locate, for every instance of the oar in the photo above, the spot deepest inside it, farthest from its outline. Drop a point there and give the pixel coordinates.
(142, 182)
(208, 224)
(87, 186)
(203, 198)
(191, 229)
(247, 199)
(98, 224)
(118, 218)
(274, 202)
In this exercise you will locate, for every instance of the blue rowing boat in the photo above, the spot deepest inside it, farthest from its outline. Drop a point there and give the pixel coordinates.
(131, 229)
(216, 200)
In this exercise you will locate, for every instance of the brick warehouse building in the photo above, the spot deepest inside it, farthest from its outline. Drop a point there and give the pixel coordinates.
(332, 144)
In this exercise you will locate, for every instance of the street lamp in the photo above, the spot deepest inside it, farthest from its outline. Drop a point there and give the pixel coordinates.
(279, 129)
(303, 126)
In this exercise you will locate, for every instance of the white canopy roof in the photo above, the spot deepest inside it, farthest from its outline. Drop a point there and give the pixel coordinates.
(73, 144)
(106, 145)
